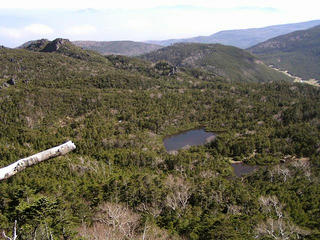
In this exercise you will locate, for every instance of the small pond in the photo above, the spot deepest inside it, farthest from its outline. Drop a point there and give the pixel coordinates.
(241, 169)
(189, 138)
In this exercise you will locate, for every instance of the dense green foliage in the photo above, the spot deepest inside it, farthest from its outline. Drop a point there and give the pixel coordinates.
(297, 53)
(232, 63)
(117, 111)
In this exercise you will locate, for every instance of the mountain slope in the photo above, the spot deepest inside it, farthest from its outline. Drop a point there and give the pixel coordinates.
(35, 45)
(297, 52)
(61, 64)
(120, 182)
(127, 48)
(244, 38)
(229, 62)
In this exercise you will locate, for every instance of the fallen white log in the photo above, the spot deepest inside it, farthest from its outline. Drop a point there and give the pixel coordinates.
(21, 164)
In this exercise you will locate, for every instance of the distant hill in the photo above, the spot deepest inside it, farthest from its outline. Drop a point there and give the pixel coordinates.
(229, 62)
(244, 38)
(297, 52)
(127, 48)
(35, 45)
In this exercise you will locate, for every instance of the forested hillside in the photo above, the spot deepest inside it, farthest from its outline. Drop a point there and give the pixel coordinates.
(232, 63)
(120, 183)
(297, 53)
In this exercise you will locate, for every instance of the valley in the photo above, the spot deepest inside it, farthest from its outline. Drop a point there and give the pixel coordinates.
(120, 181)
(313, 82)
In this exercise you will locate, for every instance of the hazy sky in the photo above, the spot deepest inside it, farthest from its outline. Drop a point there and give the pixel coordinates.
(140, 20)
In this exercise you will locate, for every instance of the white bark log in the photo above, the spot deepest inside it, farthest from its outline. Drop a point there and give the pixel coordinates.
(21, 164)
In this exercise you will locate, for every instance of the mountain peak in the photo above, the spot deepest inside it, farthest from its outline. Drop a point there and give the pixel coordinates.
(56, 44)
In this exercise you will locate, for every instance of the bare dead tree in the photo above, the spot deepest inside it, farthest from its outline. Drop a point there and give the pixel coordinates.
(22, 164)
(280, 228)
(180, 193)
(150, 208)
(14, 235)
(117, 221)
(304, 166)
(271, 203)
(280, 171)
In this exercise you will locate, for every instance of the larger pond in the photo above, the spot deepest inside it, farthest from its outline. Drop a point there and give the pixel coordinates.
(189, 138)
(196, 137)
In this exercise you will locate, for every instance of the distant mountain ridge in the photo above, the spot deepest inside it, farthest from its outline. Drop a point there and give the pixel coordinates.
(229, 62)
(297, 52)
(244, 38)
(127, 48)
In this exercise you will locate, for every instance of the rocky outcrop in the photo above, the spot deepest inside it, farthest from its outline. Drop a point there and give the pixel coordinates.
(55, 45)
(64, 47)
(12, 81)
(44, 45)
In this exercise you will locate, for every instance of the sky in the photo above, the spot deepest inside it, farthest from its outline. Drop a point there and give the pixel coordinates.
(141, 20)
